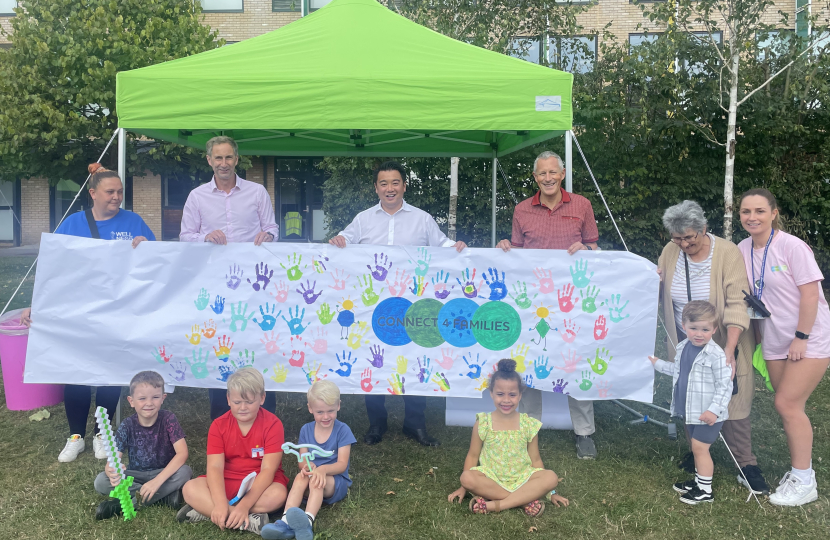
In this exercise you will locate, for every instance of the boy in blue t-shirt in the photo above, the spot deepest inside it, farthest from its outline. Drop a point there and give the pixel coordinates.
(154, 441)
(328, 480)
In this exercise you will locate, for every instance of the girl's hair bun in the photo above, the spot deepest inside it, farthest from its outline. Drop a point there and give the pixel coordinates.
(507, 365)
(95, 167)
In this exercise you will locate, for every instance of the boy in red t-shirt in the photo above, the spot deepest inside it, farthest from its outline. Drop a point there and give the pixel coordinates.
(246, 439)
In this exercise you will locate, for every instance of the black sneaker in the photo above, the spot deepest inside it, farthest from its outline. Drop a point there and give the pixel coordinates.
(687, 463)
(696, 496)
(684, 487)
(174, 500)
(756, 480)
(108, 509)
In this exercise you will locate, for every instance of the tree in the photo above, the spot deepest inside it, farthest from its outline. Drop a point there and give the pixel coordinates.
(740, 23)
(57, 81)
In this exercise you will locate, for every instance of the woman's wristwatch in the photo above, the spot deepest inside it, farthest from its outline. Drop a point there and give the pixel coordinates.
(801, 335)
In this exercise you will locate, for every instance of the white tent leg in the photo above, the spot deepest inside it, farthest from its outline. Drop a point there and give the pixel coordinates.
(493, 235)
(122, 157)
(569, 179)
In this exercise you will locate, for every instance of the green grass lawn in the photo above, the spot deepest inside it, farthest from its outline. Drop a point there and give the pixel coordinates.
(400, 488)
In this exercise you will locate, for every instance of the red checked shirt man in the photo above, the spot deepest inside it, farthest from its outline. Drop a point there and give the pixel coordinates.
(556, 219)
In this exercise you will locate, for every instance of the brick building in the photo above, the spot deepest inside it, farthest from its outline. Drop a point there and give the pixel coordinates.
(294, 184)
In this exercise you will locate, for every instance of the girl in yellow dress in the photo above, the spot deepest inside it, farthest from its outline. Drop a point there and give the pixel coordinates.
(503, 468)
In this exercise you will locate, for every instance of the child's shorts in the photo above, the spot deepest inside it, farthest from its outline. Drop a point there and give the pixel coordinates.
(705, 433)
(232, 485)
(341, 489)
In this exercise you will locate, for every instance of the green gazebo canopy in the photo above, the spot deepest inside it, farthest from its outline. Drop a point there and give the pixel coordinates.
(352, 79)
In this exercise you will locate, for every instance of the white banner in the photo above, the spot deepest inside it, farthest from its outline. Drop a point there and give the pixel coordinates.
(379, 319)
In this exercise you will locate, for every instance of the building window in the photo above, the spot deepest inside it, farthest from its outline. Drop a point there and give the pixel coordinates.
(286, 5)
(314, 5)
(222, 6)
(574, 54)
(635, 40)
(525, 48)
(174, 191)
(701, 39)
(10, 213)
(62, 196)
(773, 44)
(298, 186)
(7, 8)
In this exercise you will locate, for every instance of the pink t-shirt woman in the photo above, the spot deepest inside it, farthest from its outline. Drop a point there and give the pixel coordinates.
(790, 263)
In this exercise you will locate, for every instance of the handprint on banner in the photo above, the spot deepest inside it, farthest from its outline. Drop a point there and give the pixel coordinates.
(521, 299)
(269, 319)
(381, 267)
(439, 287)
(218, 305)
(529, 381)
(345, 317)
(209, 329)
(589, 299)
(297, 356)
(615, 309)
(356, 335)
(559, 387)
(319, 263)
(441, 380)
(483, 383)
(195, 336)
(307, 291)
(396, 383)
(324, 314)
(424, 370)
(295, 325)
(225, 348)
(565, 295)
(579, 273)
(540, 367)
(498, 288)
(603, 389)
(369, 297)
(468, 288)
(321, 344)
(311, 376)
(519, 353)
(202, 300)
(599, 364)
(243, 361)
(263, 277)
(270, 342)
(447, 359)
(198, 365)
(419, 285)
(473, 367)
(224, 373)
(377, 356)
(545, 284)
(178, 371)
(422, 266)
(569, 330)
(280, 373)
(339, 277)
(400, 285)
(401, 364)
(234, 277)
(282, 292)
(346, 364)
(292, 271)
(600, 330)
(366, 380)
(161, 355)
(586, 381)
(570, 361)
(239, 317)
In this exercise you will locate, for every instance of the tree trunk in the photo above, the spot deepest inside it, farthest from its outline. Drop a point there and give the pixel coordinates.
(730, 147)
(453, 197)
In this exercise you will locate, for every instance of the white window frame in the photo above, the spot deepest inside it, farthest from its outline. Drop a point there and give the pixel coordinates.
(554, 43)
(4, 8)
(240, 10)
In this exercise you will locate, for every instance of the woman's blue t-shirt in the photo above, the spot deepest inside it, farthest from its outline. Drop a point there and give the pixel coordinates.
(125, 225)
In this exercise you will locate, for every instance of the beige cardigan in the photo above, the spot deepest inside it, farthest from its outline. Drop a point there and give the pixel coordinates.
(728, 279)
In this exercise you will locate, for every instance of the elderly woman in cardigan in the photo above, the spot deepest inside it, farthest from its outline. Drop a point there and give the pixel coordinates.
(697, 265)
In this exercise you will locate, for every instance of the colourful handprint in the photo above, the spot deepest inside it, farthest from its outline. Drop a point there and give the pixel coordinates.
(569, 331)
(439, 287)
(195, 336)
(615, 309)
(589, 299)
(307, 291)
(559, 386)
(339, 277)
(381, 267)
(225, 348)
(545, 284)
(483, 383)
(324, 314)
(292, 271)
(282, 292)
(579, 273)
(400, 285)
(269, 319)
(161, 355)
(599, 364)
(321, 344)
(297, 356)
(319, 265)
(366, 380)
(218, 305)
(396, 383)
(570, 361)
(586, 382)
(246, 360)
(447, 359)
(224, 373)
(295, 325)
(270, 342)
(311, 376)
(424, 370)
(346, 364)
(368, 296)
(422, 266)
(565, 295)
(519, 353)
(441, 380)
(603, 389)
(356, 335)
(468, 288)
(209, 329)
(498, 288)
(401, 365)
(419, 285)
(239, 317)
(540, 367)
(377, 356)
(263, 277)
(473, 367)
(198, 365)
(280, 373)
(178, 371)
(600, 330)
(234, 277)
(202, 300)
(521, 298)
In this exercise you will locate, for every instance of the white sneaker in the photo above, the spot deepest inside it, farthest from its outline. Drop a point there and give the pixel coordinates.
(74, 446)
(793, 492)
(99, 447)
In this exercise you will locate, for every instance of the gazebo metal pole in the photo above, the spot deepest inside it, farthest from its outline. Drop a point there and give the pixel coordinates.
(493, 234)
(569, 178)
(122, 157)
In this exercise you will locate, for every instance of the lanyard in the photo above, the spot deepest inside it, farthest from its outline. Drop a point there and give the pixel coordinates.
(758, 290)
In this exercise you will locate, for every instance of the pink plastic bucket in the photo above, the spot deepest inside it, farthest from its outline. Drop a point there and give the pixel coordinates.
(20, 396)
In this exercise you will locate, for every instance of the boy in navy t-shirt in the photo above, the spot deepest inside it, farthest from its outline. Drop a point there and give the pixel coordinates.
(154, 441)
(328, 480)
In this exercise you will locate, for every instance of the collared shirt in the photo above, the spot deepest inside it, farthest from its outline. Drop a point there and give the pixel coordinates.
(409, 226)
(240, 214)
(535, 226)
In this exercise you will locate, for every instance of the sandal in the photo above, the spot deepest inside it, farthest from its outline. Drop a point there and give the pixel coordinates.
(478, 505)
(535, 508)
